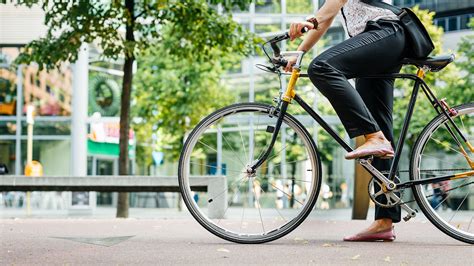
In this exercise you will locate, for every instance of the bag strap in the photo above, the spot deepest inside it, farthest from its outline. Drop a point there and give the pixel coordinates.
(377, 3)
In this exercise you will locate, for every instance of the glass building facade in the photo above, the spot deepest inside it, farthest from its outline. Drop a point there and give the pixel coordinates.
(450, 15)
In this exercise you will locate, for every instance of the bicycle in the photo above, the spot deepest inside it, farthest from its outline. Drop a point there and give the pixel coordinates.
(266, 170)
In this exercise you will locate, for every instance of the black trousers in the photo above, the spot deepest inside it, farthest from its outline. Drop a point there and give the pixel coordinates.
(368, 107)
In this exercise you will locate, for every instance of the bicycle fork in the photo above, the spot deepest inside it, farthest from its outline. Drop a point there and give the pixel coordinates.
(285, 101)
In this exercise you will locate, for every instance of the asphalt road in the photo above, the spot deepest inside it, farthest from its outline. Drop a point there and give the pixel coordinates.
(183, 241)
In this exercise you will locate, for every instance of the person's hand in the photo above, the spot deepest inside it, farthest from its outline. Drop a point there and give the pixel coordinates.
(297, 27)
(291, 62)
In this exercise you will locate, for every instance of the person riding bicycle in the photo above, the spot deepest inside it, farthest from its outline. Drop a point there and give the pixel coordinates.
(376, 46)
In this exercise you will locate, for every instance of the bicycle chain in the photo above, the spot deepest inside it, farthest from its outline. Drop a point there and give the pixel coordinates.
(414, 200)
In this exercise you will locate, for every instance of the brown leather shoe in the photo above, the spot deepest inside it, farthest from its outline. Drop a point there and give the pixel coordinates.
(384, 151)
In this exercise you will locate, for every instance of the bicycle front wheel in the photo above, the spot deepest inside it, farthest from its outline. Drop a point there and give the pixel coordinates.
(449, 204)
(242, 207)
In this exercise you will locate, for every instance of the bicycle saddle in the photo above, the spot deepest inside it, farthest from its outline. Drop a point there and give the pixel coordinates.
(435, 63)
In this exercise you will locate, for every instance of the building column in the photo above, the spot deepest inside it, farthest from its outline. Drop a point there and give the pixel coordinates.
(80, 91)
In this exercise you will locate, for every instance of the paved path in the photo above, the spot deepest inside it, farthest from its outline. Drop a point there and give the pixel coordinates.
(183, 241)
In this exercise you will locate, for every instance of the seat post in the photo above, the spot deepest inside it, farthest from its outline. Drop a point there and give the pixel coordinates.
(422, 71)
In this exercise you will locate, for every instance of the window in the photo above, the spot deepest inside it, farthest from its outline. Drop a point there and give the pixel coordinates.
(453, 24)
(441, 23)
(465, 22)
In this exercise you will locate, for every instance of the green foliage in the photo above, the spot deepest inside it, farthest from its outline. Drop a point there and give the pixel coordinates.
(454, 82)
(299, 7)
(179, 45)
(71, 23)
(466, 53)
(173, 93)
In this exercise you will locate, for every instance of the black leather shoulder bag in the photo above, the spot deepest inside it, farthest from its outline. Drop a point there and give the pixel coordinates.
(420, 41)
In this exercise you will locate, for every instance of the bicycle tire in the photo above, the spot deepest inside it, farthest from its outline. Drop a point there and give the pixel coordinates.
(206, 222)
(420, 196)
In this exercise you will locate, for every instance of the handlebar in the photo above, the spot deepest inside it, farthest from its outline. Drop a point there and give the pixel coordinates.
(277, 59)
(273, 42)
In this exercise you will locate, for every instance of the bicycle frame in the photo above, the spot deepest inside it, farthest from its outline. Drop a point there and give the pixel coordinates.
(388, 184)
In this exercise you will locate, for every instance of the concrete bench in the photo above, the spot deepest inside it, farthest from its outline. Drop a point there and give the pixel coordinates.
(215, 185)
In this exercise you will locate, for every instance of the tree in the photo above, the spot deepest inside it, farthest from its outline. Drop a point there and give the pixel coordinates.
(448, 83)
(71, 23)
(174, 93)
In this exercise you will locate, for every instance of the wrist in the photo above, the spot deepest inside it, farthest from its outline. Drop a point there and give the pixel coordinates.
(314, 21)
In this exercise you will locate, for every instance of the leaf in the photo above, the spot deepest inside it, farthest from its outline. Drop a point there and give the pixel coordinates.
(223, 250)
(387, 259)
(356, 257)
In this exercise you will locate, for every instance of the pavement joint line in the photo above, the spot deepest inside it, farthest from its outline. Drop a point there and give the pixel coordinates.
(99, 241)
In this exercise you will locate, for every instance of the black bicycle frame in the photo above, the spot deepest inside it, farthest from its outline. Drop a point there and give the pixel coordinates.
(419, 83)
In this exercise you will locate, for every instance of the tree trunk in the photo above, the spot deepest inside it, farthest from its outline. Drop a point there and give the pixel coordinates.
(123, 198)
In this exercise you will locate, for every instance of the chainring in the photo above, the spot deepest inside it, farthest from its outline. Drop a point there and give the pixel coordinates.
(389, 201)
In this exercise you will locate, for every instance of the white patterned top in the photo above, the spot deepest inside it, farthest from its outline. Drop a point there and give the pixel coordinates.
(357, 14)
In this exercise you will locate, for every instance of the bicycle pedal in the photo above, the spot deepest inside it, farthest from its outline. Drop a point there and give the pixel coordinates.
(270, 129)
(410, 215)
(369, 158)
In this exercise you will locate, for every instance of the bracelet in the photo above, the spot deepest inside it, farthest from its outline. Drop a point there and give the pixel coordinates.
(314, 21)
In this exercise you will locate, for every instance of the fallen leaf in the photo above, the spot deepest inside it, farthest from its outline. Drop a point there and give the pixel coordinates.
(387, 259)
(326, 245)
(356, 257)
(223, 250)
(298, 239)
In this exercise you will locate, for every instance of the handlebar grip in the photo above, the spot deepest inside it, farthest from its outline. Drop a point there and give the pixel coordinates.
(304, 30)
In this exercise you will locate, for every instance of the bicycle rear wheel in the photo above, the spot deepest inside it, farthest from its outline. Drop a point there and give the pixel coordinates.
(242, 207)
(449, 205)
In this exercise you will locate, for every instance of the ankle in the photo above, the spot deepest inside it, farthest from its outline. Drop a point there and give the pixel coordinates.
(376, 136)
(384, 223)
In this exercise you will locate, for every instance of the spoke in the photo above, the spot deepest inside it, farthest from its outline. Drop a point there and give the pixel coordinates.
(447, 146)
(254, 139)
(209, 182)
(242, 139)
(258, 204)
(211, 199)
(431, 195)
(261, 189)
(469, 226)
(230, 159)
(287, 195)
(460, 204)
(298, 161)
(439, 204)
(215, 167)
(462, 123)
(243, 211)
(277, 152)
(231, 199)
(233, 151)
(296, 179)
(437, 158)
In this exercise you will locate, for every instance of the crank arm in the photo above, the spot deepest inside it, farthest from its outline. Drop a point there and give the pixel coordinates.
(411, 213)
(389, 185)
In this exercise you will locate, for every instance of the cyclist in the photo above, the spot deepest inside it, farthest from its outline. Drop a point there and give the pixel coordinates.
(376, 46)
